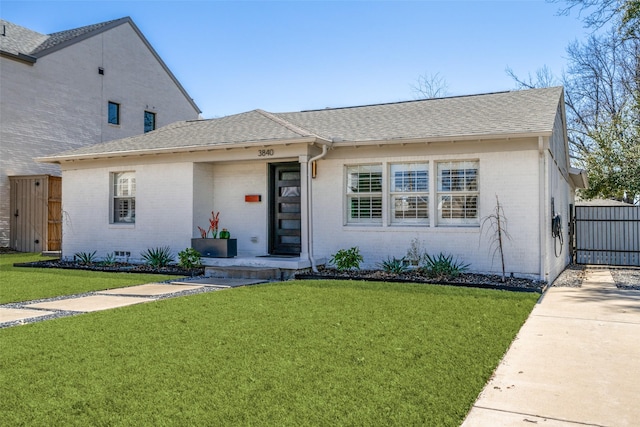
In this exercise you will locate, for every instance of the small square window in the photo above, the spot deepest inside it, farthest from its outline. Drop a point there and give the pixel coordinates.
(149, 121)
(114, 113)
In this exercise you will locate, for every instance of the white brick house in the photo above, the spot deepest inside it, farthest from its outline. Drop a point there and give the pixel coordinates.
(309, 183)
(75, 88)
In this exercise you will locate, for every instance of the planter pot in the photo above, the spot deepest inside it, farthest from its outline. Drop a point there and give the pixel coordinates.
(216, 248)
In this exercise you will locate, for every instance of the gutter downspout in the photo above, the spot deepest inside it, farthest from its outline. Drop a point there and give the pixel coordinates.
(325, 149)
(542, 191)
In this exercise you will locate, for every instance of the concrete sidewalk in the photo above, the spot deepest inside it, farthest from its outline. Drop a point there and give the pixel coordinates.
(575, 362)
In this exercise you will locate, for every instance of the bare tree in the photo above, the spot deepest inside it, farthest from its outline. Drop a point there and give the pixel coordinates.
(497, 232)
(602, 83)
(430, 86)
(596, 13)
(602, 99)
(544, 78)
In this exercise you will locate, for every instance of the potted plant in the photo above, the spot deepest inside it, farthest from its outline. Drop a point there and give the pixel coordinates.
(214, 247)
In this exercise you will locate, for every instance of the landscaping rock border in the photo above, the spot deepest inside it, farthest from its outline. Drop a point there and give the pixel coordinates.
(473, 280)
(119, 267)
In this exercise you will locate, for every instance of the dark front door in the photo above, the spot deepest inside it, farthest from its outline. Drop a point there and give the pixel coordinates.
(284, 236)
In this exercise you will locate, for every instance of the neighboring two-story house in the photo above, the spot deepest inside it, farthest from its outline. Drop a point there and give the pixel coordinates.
(67, 90)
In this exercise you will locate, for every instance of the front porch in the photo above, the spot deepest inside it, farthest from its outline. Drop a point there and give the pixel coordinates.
(272, 268)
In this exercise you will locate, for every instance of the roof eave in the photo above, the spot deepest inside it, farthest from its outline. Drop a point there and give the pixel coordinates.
(579, 178)
(27, 59)
(445, 138)
(180, 150)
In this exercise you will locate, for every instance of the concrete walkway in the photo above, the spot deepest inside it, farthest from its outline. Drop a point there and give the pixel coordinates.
(15, 314)
(575, 362)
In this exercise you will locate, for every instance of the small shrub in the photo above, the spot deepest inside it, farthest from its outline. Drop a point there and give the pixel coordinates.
(442, 266)
(157, 257)
(347, 259)
(85, 258)
(394, 265)
(189, 258)
(109, 259)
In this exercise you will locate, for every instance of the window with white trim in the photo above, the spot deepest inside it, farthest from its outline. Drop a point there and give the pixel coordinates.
(124, 197)
(458, 193)
(364, 194)
(409, 193)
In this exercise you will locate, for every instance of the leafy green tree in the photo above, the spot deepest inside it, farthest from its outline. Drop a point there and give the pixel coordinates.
(613, 164)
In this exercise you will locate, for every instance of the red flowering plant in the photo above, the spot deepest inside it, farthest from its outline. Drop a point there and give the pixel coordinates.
(213, 226)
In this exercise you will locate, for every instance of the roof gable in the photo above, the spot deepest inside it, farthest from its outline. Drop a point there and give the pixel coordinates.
(27, 45)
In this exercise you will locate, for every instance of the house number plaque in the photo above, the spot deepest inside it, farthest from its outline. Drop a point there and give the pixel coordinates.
(265, 153)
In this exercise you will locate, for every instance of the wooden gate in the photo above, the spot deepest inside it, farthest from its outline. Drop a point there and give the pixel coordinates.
(607, 235)
(36, 213)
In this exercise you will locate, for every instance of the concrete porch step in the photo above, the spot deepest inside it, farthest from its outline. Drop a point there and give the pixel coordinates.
(243, 272)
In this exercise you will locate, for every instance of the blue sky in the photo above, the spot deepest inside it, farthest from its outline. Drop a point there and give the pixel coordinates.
(294, 55)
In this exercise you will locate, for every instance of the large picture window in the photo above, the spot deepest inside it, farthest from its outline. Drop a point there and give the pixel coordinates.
(458, 193)
(124, 197)
(409, 193)
(364, 194)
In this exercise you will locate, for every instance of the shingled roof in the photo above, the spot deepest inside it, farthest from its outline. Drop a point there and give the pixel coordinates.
(494, 115)
(27, 45)
(19, 40)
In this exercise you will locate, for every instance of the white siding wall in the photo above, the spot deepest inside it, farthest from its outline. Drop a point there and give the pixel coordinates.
(164, 210)
(60, 103)
(512, 175)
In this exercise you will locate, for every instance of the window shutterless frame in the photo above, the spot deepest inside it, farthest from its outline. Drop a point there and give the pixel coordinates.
(149, 121)
(113, 113)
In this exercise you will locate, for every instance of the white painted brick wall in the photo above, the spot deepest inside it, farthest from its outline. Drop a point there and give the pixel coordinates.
(174, 198)
(164, 210)
(60, 103)
(232, 181)
(512, 175)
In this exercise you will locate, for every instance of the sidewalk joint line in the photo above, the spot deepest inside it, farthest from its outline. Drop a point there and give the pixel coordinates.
(539, 416)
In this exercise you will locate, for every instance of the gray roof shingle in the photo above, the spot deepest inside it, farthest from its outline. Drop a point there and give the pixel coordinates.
(20, 40)
(61, 37)
(526, 112)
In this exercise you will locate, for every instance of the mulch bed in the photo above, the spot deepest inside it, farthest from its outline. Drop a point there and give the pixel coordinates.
(118, 267)
(465, 279)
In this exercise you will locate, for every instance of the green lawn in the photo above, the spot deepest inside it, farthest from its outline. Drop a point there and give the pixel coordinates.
(286, 354)
(25, 284)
